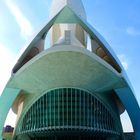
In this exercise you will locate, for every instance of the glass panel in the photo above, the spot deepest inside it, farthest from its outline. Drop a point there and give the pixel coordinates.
(68, 107)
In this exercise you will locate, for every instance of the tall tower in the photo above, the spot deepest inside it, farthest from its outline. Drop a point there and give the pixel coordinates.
(67, 92)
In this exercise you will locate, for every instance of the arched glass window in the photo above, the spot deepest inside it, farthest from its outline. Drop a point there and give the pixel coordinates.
(69, 108)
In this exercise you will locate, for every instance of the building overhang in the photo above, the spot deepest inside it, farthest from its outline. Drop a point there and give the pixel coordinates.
(66, 66)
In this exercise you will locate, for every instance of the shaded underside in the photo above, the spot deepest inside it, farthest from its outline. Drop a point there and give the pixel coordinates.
(66, 66)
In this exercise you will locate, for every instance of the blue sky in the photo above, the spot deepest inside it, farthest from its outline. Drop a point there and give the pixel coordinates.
(118, 21)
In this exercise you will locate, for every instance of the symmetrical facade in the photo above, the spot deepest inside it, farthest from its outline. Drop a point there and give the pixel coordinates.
(68, 92)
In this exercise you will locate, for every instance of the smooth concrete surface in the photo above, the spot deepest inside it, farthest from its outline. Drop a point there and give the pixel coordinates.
(61, 66)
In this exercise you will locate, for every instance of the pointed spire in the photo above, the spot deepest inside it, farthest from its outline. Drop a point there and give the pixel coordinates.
(75, 5)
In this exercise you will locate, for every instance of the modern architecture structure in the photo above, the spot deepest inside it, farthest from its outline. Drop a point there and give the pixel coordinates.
(66, 91)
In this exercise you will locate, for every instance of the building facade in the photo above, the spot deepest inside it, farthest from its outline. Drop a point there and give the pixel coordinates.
(67, 91)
